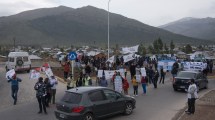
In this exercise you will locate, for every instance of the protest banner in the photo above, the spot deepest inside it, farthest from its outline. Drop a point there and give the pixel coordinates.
(34, 75)
(109, 74)
(10, 73)
(132, 49)
(118, 84)
(143, 71)
(128, 58)
(100, 73)
(111, 59)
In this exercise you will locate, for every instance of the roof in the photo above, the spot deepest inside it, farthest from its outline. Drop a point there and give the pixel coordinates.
(84, 89)
(190, 71)
(11, 54)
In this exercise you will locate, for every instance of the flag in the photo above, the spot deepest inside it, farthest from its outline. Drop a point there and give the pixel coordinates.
(10, 73)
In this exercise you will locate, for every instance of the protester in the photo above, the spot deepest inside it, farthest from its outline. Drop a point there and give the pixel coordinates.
(14, 87)
(144, 83)
(41, 92)
(87, 80)
(192, 96)
(53, 82)
(66, 66)
(174, 72)
(150, 74)
(155, 78)
(163, 73)
(48, 93)
(71, 83)
(135, 85)
(118, 83)
(103, 82)
(79, 81)
(88, 69)
(132, 70)
(125, 86)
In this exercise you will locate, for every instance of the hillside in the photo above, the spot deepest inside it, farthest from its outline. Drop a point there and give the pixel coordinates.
(82, 26)
(203, 28)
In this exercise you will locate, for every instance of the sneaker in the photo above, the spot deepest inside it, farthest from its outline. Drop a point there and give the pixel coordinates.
(39, 112)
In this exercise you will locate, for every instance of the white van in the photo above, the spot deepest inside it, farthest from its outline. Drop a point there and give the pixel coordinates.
(19, 61)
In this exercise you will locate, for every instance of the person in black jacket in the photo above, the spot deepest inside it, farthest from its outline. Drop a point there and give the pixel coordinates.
(48, 89)
(155, 78)
(132, 70)
(41, 92)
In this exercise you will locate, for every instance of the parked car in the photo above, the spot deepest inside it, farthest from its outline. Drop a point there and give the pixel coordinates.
(183, 78)
(19, 61)
(90, 103)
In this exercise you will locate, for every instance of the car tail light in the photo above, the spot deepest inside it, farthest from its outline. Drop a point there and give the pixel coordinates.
(77, 109)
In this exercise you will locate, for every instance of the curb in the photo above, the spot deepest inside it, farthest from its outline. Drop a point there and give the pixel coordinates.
(197, 100)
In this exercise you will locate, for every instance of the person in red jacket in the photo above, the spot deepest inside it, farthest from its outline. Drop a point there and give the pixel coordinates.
(144, 82)
(66, 66)
(125, 86)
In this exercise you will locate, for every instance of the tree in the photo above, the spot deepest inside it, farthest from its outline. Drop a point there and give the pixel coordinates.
(166, 49)
(141, 50)
(156, 47)
(151, 49)
(172, 46)
(188, 49)
(160, 44)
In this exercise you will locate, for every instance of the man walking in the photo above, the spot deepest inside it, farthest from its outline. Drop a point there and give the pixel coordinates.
(14, 87)
(192, 96)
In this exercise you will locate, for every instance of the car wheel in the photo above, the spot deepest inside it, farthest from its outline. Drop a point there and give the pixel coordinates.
(206, 86)
(89, 116)
(128, 108)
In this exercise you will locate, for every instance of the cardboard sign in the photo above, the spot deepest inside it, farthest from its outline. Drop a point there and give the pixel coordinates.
(10, 73)
(100, 73)
(143, 71)
(34, 75)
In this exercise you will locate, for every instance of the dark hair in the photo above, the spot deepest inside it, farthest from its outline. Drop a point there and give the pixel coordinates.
(40, 79)
(192, 81)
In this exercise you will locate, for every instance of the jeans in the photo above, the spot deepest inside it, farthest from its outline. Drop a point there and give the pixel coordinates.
(14, 89)
(191, 105)
(144, 87)
(53, 93)
(42, 103)
(135, 90)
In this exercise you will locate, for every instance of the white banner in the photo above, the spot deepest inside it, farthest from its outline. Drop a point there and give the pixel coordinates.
(194, 65)
(34, 75)
(49, 72)
(100, 73)
(143, 71)
(132, 49)
(10, 73)
(111, 59)
(138, 78)
(109, 74)
(128, 58)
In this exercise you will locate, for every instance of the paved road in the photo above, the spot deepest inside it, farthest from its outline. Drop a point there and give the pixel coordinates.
(159, 104)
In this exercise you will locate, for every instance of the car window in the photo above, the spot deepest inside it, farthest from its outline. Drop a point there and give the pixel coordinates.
(186, 74)
(72, 97)
(25, 59)
(110, 95)
(11, 59)
(19, 58)
(96, 96)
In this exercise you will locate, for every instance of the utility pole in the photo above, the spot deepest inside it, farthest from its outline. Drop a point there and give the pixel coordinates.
(14, 43)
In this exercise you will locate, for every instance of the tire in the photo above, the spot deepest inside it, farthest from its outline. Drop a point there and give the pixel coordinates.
(206, 86)
(89, 116)
(19, 62)
(128, 109)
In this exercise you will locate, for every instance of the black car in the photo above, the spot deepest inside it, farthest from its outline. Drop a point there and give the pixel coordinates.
(183, 78)
(89, 103)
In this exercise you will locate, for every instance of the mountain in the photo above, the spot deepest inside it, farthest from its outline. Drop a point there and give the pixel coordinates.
(82, 26)
(203, 28)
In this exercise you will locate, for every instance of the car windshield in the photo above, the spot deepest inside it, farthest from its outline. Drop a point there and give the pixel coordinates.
(72, 97)
(186, 74)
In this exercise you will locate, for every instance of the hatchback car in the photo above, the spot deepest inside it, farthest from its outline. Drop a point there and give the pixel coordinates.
(89, 103)
(183, 78)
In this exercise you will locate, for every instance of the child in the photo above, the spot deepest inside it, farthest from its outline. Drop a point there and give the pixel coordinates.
(125, 86)
(135, 86)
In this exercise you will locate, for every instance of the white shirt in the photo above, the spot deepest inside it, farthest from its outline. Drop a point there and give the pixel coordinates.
(53, 82)
(189, 91)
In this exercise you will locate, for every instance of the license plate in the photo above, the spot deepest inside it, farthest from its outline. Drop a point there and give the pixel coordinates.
(182, 86)
(62, 116)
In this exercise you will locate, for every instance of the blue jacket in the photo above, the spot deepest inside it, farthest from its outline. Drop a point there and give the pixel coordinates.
(14, 82)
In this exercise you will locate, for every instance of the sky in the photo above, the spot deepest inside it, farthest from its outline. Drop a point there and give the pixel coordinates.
(151, 12)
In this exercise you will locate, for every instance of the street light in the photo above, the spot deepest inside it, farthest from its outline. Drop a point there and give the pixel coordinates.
(108, 31)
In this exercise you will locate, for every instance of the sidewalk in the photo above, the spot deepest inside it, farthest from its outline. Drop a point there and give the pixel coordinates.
(205, 108)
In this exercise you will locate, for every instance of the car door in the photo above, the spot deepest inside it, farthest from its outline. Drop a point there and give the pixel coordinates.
(198, 81)
(116, 101)
(99, 103)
